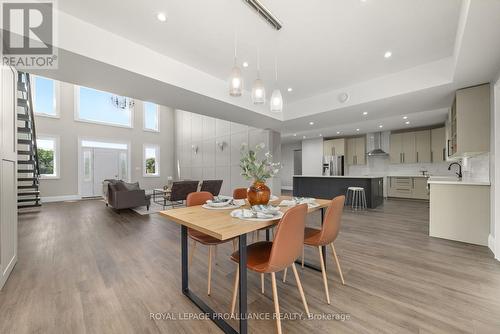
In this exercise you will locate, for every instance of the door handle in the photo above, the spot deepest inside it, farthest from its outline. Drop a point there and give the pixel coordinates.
(417, 156)
(432, 156)
(444, 154)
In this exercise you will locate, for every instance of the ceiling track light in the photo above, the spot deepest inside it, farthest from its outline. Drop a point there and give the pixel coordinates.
(264, 13)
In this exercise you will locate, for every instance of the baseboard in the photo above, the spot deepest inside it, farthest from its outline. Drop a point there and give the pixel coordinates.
(287, 187)
(49, 199)
(492, 246)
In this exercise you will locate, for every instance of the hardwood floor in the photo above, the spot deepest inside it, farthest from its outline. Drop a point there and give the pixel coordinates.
(84, 268)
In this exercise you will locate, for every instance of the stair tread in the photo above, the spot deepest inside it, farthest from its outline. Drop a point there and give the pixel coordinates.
(24, 141)
(23, 117)
(29, 193)
(35, 199)
(25, 171)
(23, 152)
(23, 129)
(28, 206)
(27, 178)
(28, 187)
(26, 162)
(21, 102)
(21, 86)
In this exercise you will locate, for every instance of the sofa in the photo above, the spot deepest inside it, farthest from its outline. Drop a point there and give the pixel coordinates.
(122, 195)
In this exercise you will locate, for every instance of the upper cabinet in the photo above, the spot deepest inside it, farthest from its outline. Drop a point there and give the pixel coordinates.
(334, 147)
(438, 145)
(356, 150)
(413, 147)
(469, 122)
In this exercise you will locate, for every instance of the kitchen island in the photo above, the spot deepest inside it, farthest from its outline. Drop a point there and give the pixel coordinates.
(327, 187)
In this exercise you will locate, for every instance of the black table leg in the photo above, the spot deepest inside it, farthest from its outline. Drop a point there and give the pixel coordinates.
(213, 315)
(267, 235)
(323, 250)
(243, 283)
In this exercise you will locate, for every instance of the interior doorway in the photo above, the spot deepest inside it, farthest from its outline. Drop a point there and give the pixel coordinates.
(99, 161)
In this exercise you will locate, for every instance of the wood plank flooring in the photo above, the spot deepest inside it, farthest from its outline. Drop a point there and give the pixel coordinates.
(83, 268)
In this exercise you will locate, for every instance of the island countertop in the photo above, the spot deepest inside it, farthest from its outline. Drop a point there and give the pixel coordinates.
(343, 176)
(328, 187)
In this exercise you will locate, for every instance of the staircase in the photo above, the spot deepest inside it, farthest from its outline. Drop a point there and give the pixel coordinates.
(28, 173)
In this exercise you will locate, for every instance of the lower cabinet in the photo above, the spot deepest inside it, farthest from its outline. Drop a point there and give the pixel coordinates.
(408, 187)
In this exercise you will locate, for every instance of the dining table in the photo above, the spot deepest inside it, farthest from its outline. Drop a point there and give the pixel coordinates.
(221, 225)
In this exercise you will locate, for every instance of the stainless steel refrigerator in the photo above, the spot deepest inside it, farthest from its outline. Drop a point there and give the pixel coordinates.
(333, 165)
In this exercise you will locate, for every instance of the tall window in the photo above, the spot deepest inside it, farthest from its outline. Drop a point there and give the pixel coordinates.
(48, 156)
(45, 92)
(151, 160)
(98, 107)
(151, 117)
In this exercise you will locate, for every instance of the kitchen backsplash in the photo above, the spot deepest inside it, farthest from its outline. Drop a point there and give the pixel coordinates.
(474, 168)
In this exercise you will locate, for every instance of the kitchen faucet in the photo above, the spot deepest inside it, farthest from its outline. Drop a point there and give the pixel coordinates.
(459, 174)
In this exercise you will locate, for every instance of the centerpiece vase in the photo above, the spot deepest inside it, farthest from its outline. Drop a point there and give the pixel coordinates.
(258, 193)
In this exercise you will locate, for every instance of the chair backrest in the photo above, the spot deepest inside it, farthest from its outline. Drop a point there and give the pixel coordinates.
(212, 186)
(181, 189)
(288, 239)
(240, 193)
(332, 220)
(198, 198)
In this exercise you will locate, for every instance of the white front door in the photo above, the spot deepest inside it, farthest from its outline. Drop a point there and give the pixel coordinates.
(99, 164)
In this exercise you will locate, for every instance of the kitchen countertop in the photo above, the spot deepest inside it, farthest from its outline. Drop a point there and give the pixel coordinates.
(342, 176)
(392, 175)
(455, 181)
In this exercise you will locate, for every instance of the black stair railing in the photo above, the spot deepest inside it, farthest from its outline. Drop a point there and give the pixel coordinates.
(32, 124)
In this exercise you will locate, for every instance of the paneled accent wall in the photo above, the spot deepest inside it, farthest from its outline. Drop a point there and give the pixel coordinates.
(209, 148)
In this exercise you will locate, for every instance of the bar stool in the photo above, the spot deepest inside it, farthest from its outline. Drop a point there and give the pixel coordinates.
(356, 196)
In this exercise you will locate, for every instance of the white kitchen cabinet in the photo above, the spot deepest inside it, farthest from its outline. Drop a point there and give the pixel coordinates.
(334, 147)
(408, 187)
(423, 145)
(356, 150)
(438, 145)
(396, 148)
(469, 122)
(409, 148)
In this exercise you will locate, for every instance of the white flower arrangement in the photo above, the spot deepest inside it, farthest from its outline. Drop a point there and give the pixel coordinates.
(254, 169)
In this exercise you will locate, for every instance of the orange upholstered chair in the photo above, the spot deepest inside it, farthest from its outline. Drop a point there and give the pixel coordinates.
(326, 236)
(270, 257)
(240, 193)
(200, 198)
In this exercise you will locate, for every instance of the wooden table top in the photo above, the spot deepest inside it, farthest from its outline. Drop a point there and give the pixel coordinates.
(219, 223)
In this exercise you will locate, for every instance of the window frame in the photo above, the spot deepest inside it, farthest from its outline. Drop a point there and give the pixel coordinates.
(157, 162)
(76, 94)
(55, 98)
(144, 117)
(57, 156)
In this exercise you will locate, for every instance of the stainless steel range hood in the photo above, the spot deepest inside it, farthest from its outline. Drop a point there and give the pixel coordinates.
(374, 141)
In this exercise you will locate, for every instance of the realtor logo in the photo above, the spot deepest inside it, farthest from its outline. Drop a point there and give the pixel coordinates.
(28, 34)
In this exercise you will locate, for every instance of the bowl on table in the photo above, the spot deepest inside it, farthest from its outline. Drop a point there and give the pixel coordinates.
(218, 202)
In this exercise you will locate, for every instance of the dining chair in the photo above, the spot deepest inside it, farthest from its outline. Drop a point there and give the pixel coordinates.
(212, 186)
(326, 236)
(272, 256)
(240, 193)
(200, 198)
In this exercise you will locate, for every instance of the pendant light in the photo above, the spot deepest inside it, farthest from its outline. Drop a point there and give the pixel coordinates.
(276, 98)
(235, 79)
(258, 89)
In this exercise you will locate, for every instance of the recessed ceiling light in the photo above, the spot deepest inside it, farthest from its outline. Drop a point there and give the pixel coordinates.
(407, 122)
(311, 123)
(289, 89)
(405, 117)
(295, 135)
(320, 135)
(357, 130)
(388, 54)
(303, 137)
(245, 64)
(338, 132)
(365, 112)
(381, 126)
(161, 17)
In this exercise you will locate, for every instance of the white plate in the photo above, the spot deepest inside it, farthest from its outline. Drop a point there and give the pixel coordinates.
(238, 214)
(273, 198)
(227, 207)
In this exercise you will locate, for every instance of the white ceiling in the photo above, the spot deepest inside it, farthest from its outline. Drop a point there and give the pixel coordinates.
(325, 48)
(323, 44)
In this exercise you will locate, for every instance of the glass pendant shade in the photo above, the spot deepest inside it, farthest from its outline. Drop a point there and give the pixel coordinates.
(235, 82)
(276, 101)
(258, 92)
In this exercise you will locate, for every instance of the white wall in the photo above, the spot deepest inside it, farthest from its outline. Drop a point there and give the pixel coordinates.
(312, 156)
(287, 151)
(212, 162)
(494, 240)
(69, 131)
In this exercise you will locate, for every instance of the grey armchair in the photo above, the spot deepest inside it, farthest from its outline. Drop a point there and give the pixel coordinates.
(122, 195)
